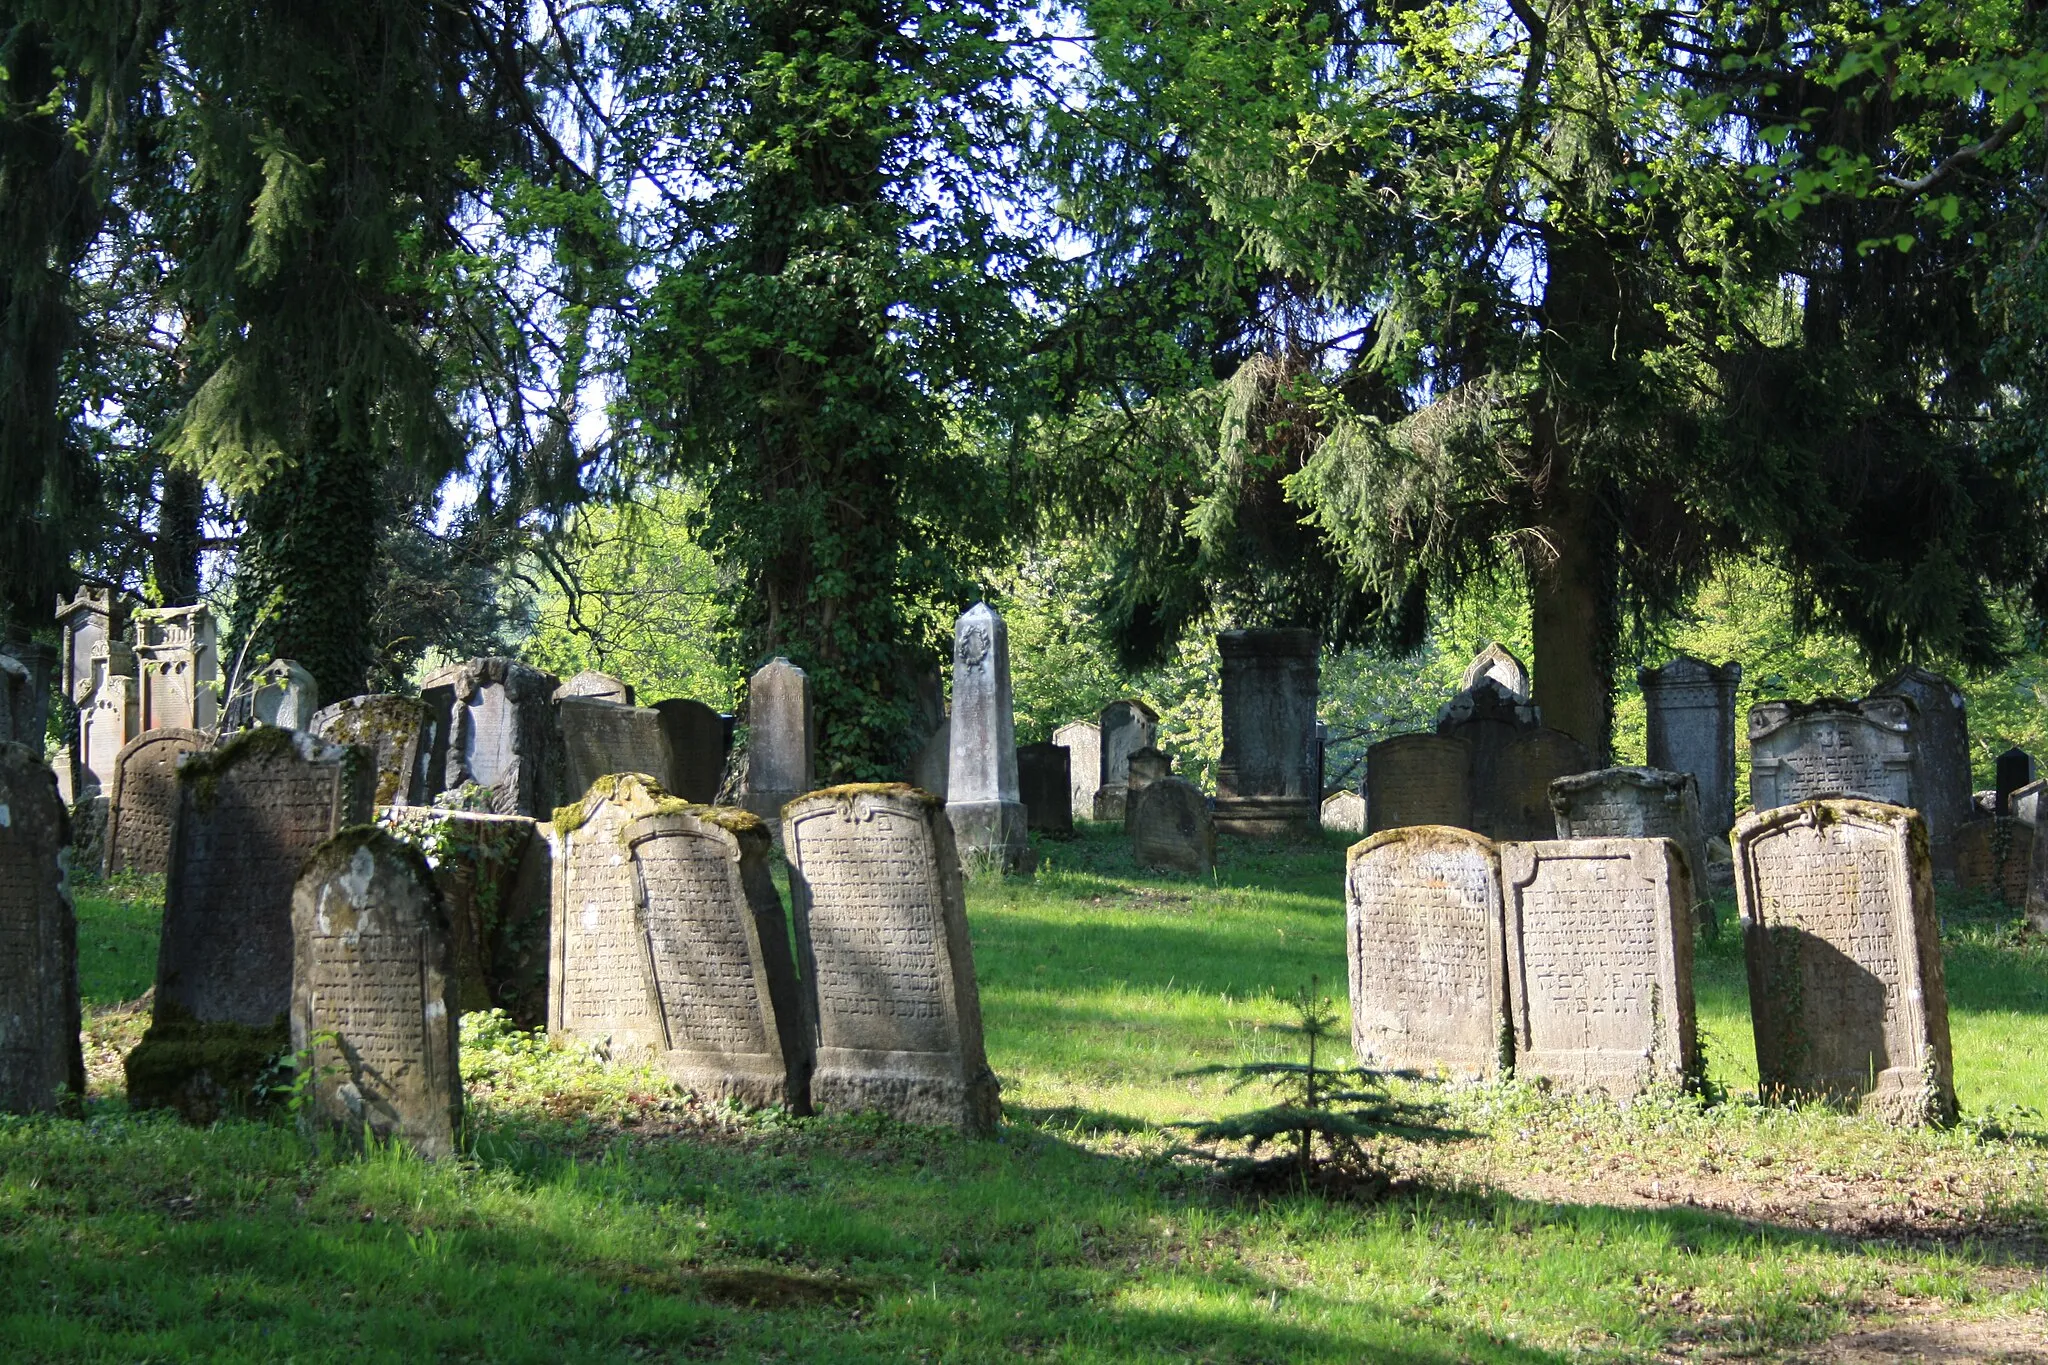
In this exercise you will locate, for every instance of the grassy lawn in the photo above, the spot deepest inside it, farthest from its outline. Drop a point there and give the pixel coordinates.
(600, 1216)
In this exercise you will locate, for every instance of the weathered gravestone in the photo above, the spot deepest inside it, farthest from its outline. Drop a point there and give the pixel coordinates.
(696, 749)
(106, 723)
(1423, 937)
(1689, 707)
(1266, 779)
(1512, 800)
(778, 739)
(1171, 826)
(374, 1003)
(596, 687)
(89, 626)
(143, 799)
(723, 982)
(495, 876)
(249, 813)
(179, 664)
(982, 797)
(1082, 740)
(283, 694)
(1143, 768)
(2014, 769)
(604, 737)
(1800, 751)
(928, 768)
(25, 670)
(1939, 745)
(1636, 803)
(1344, 812)
(1993, 854)
(881, 930)
(389, 727)
(491, 724)
(40, 1058)
(1045, 782)
(1599, 959)
(1845, 977)
(1498, 664)
(1124, 727)
(1417, 780)
(599, 989)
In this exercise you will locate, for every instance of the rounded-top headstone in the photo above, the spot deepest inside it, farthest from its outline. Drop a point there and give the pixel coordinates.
(1171, 827)
(143, 799)
(598, 687)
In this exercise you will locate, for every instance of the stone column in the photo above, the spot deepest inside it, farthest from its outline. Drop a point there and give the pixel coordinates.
(1691, 710)
(983, 801)
(1266, 781)
(779, 762)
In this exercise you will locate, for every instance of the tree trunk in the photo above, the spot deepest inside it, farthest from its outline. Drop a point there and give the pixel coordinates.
(1573, 679)
(174, 559)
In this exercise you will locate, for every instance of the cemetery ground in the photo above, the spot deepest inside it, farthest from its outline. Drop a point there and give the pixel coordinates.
(600, 1216)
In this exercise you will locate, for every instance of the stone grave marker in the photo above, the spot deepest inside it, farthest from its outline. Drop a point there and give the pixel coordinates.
(2026, 802)
(697, 747)
(491, 723)
(1993, 854)
(1344, 812)
(40, 1058)
(1599, 960)
(882, 938)
(105, 725)
(1171, 827)
(2036, 902)
(1083, 742)
(1828, 748)
(1417, 779)
(143, 799)
(2015, 769)
(374, 1005)
(25, 670)
(1845, 976)
(1636, 803)
(390, 727)
(283, 694)
(495, 875)
(1689, 707)
(597, 687)
(1145, 767)
(982, 797)
(1423, 937)
(1266, 778)
(1122, 729)
(600, 983)
(928, 768)
(1939, 744)
(179, 664)
(604, 737)
(249, 813)
(1498, 664)
(1045, 781)
(88, 627)
(1512, 800)
(779, 735)
(724, 983)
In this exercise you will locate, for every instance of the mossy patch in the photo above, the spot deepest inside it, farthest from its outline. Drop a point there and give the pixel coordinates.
(901, 790)
(634, 793)
(206, 1069)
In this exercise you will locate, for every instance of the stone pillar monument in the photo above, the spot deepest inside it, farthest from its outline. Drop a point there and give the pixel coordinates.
(1266, 781)
(983, 802)
(779, 763)
(180, 664)
(1691, 710)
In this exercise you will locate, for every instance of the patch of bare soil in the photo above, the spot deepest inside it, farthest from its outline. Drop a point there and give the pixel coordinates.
(110, 1034)
(2006, 1341)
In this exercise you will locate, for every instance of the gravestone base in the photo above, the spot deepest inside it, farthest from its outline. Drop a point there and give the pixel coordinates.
(751, 1080)
(918, 1087)
(206, 1069)
(1267, 817)
(992, 834)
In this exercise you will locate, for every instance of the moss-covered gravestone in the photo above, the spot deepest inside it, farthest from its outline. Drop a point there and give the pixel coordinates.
(40, 1060)
(249, 813)
(389, 727)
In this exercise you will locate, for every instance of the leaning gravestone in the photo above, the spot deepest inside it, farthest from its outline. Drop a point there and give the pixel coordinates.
(495, 876)
(696, 749)
(604, 737)
(248, 815)
(373, 995)
(600, 987)
(491, 724)
(778, 739)
(389, 727)
(1690, 726)
(1845, 976)
(1993, 854)
(982, 797)
(1427, 962)
(1512, 799)
(1123, 728)
(1045, 782)
(1266, 778)
(596, 686)
(1635, 803)
(144, 795)
(724, 985)
(1417, 780)
(881, 930)
(1082, 740)
(1171, 827)
(40, 1058)
(1940, 748)
(1344, 812)
(1599, 957)
(1828, 748)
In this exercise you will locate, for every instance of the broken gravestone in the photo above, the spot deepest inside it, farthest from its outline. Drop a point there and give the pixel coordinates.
(143, 799)
(40, 1059)
(1171, 827)
(491, 724)
(696, 749)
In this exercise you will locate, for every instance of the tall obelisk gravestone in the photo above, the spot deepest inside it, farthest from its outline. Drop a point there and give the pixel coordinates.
(982, 798)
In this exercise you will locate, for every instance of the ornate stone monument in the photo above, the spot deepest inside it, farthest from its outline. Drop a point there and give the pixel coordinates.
(779, 734)
(1690, 712)
(143, 799)
(1083, 742)
(983, 800)
(604, 737)
(90, 631)
(1266, 780)
(1599, 958)
(881, 930)
(374, 1007)
(40, 1060)
(1497, 664)
(1045, 782)
(106, 723)
(1122, 729)
(696, 749)
(179, 660)
(1845, 976)
(1417, 780)
(389, 727)
(491, 724)
(1829, 748)
(1171, 827)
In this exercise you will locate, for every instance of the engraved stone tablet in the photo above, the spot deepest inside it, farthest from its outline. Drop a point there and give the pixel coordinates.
(1845, 976)
(249, 813)
(40, 1058)
(1046, 783)
(1635, 803)
(730, 1009)
(1828, 748)
(1423, 938)
(390, 727)
(600, 986)
(1171, 827)
(143, 798)
(982, 796)
(596, 686)
(374, 1008)
(495, 876)
(1267, 778)
(882, 935)
(1417, 780)
(600, 738)
(779, 739)
(1689, 707)
(1082, 740)
(1344, 812)
(500, 734)
(1993, 854)
(696, 749)
(1123, 728)
(1599, 954)
(1513, 799)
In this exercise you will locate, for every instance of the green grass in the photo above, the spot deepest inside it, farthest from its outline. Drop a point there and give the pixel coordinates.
(601, 1217)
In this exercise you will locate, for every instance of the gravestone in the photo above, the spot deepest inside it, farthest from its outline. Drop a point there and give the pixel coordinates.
(1689, 708)
(88, 628)
(1636, 803)
(1423, 937)
(106, 723)
(1266, 779)
(285, 695)
(881, 931)
(604, 737)
(1489, 722)
(374, 1003)
(40, 1058)
(1599, 959)
(2036, 902)
(143, 799)
(1145, 767)
(723, 982)
(779, 735)
(928, 768)
(179, 667)
(491, 723)
(26, 667)
(389, 727)
(1417, 780)
(697, 745)
(249, 813)
(1083, 742)
(1045, 782)
(1123, 728)
(1845, 976)
(2026, 802)
(1344, 812)
(1171, 827)
(1828, 748)
(597, 687)
(1498, 664)
(1939, 744)
(495, 876)
(1512, 801)
(1993, 854)
(982, 797)
(2015, 769)
(599, 985)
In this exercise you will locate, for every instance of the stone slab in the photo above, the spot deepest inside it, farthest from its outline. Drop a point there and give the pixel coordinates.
(144, 799)
(1045, 782)
(1083, 742)
(495, 877)
(1690, 727)
(600, 980)
(494, 721)
(1171, 827)
(1267, 778)
(600, 738)
(1122, 728)
(780, 738)
(1417, 779)
(697, 748)
(391, 728)
(41, 1064)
